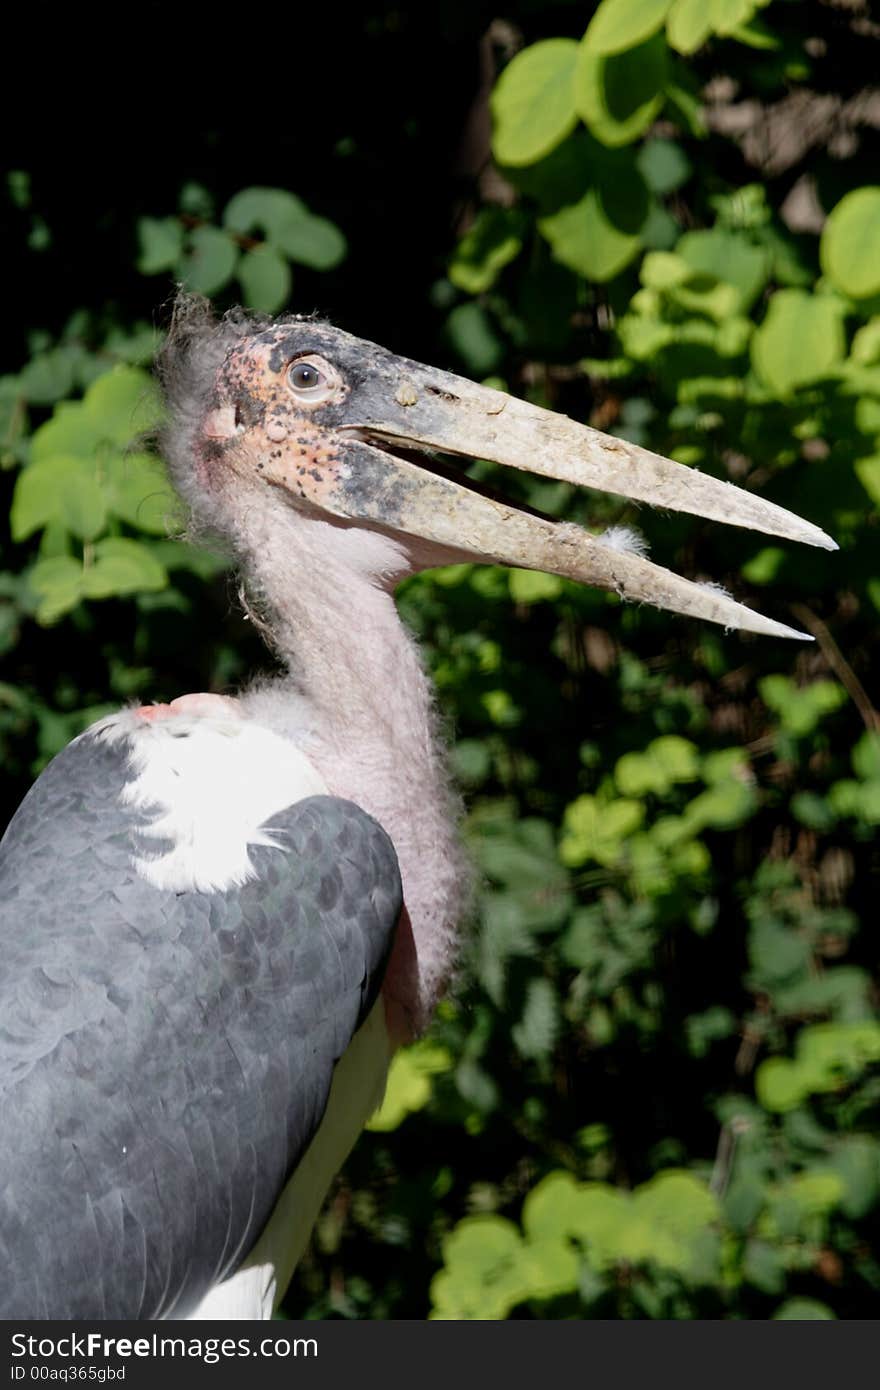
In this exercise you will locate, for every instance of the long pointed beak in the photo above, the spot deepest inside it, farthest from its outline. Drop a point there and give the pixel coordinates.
(427, 408)
(380, 487)
(456, 416)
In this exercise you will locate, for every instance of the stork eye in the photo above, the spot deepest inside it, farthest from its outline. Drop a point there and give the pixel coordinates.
(305, 377)
(312, 380)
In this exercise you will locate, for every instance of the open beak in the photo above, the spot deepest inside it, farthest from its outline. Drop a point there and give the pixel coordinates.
(428, 409)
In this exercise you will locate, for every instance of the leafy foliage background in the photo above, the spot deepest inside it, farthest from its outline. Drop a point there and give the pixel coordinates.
(654, 1090)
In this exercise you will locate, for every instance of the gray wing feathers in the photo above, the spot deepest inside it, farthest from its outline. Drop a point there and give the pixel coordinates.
(165, 1058)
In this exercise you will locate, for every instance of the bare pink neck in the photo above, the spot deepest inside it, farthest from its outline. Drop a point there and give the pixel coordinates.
(358, 700)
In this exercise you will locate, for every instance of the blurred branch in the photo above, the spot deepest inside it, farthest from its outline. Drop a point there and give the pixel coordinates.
(839, 665)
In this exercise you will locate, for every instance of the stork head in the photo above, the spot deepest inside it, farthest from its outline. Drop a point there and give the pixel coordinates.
(299, 412)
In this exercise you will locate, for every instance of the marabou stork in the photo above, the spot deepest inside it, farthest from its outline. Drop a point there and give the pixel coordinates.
(221, 916)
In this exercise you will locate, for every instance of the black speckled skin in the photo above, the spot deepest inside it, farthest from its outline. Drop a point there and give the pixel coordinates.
(165, 1058)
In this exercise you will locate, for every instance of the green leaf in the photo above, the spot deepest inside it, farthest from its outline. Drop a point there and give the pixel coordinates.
(58, 585)
(664, 762)
(289, 226)
(619, 97)
(800, 341)
(265, 279)
(139, 493)
(312, 241)
(778, 955)
(621, 24)
(868, 473)
(533, 586)
(856, 1161)
(60, 489)
(48, 376)
(728, 15)
(583, 238)
(210, 261)
(122, 404)
(804, 1310)
(866, 756)
(596, 830)
(161, 243)
(410, 1084)
(756, 34)
(764, 566)
(71, 430)
(266, 210)
(813, 810)
(122, 567)
(532, 103)
(727, 256)
(493, 241)
(866, 344)
(538, 1028)
(779, 1085)
(764, 1266)
(663, 165)
(546, 1213)
(850, 238)
(689, 25)
(801, 709)
(721, 807)
(473, 336)
(485, 1273)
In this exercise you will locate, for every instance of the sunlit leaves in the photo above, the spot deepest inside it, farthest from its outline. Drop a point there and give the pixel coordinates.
(533, 586)
(619, 25)
(533, 102)
(409, 1084)
(597, 830)
(489, 1266)
(138, 492)
(585, 239)
(800, 341)
(691, 22)
(729, 257)
(114, 568)
(800, 710)
(57, 583)
(665, 762)
(850, 242)
(120, 566)
(689, 25)
(64, 489)
(120, 405)
(81, 479)
(619, 96)
(600, 233)
(489, 1269)
(828, 1057)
